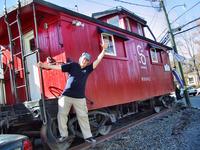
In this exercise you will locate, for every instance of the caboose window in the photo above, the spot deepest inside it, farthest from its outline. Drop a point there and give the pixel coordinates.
(154, 56)
(32, 44)
(139, 28)
(109, 39)
(128, 26)
(114, 21)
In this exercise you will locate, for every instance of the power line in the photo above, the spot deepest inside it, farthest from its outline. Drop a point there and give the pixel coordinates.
(189, 22)
(155, 23)
(187, 29)
(155, 14)
(111, 7)
(162, 32)
(166, 36)
(135, 4)
(186, 11)
(180, 17)
(92, 1)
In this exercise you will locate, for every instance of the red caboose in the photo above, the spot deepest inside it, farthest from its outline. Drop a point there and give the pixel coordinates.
(134, 69)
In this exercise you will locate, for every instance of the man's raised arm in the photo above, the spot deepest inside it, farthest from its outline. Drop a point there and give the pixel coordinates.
(101, 55)
(49, 66)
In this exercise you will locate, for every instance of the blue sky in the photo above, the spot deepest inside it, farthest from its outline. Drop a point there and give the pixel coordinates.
(155, 19)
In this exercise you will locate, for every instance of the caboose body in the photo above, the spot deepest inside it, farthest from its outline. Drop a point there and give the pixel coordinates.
(134, 68)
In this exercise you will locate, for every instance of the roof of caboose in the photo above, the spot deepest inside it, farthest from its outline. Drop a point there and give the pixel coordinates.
(49, 8)
(119, 10)
(25, 13)
(10, 9)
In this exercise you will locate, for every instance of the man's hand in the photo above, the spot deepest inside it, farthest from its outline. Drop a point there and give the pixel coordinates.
(2, 48)
(51, 61)
(40, 65)
(101, 55)
(104, 46)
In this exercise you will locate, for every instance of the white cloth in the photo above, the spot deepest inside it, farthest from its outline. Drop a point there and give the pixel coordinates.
(179, 57)
(80, 106)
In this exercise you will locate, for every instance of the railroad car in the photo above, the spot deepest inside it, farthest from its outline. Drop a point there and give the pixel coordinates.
(135, 68)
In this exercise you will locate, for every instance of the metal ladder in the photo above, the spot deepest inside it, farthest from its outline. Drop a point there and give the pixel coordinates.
(21, 54)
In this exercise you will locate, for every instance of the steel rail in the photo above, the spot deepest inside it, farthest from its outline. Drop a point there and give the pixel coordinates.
(85, 146)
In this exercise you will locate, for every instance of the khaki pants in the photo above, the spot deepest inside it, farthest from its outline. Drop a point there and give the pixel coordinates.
(64, 106)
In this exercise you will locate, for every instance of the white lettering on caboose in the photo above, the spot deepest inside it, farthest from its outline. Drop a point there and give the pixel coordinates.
(143, 63)
(142, 58)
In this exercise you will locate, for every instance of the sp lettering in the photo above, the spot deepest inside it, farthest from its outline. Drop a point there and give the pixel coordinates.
(141, 56)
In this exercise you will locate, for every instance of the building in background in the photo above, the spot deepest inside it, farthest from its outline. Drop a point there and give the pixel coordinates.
(192, 79)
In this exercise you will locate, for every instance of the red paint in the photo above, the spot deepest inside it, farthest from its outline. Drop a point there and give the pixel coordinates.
(116, 80)
(133, 23)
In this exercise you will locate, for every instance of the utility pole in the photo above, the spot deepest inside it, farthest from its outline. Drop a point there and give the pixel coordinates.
(175, 50)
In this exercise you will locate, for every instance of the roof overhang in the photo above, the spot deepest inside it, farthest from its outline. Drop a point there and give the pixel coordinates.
(130, 14)
(103, 30)
(26, 9)
(157, 47)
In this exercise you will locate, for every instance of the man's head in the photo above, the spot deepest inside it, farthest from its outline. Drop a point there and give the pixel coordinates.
(84, 59)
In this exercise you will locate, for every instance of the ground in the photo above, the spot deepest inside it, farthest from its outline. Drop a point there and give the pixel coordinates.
(178, 130)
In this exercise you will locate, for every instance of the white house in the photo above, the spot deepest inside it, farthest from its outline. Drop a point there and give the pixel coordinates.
(192, 79)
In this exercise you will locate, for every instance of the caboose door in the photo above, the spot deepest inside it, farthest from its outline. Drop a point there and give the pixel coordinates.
(31, 64)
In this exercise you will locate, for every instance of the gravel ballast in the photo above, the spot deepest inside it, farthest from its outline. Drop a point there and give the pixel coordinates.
(178, 130)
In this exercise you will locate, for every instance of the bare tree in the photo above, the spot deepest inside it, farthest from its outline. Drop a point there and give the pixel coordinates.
(189, 46)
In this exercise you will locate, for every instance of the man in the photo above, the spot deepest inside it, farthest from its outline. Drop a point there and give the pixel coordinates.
(74, 93)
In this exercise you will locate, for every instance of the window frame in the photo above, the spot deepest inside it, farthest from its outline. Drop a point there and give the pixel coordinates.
(140, 30)
(113, 43)
(153, 51)
(28, 37)
(122, 24)
(128, 25)
(112, 18)
(32, 49)
(193, 80)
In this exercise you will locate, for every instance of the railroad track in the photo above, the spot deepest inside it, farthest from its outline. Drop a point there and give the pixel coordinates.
(101, 139)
